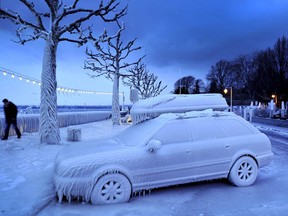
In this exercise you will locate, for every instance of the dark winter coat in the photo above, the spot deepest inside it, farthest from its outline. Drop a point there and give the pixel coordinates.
(10, 112)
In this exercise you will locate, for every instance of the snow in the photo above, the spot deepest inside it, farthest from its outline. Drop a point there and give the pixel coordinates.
(26, 187)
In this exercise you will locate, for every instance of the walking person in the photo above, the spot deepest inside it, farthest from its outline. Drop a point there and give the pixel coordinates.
(10, 111)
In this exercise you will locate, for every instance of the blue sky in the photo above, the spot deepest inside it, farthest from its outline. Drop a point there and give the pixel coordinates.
(179, 38)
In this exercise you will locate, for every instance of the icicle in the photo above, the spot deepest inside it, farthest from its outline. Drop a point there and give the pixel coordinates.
(60, 196)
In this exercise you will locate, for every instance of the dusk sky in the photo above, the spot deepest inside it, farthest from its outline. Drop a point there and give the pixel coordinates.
(179, 38)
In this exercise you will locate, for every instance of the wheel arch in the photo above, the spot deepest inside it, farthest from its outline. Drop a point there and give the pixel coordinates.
(108, 169)
(242, 154)
(244, 171)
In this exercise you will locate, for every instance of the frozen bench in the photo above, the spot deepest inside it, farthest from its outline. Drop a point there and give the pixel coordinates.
(73, 133)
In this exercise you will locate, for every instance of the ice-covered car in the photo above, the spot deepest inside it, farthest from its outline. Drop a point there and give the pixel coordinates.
(167, 150)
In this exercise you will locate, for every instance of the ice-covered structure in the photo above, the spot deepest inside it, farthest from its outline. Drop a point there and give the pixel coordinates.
(174, 148)
(171, 103)
(30, 122)
(185, 140)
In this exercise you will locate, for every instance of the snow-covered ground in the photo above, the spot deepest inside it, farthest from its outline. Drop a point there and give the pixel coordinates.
(26, 183)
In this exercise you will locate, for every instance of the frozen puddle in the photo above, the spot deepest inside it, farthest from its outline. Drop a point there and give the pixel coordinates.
(14, 183)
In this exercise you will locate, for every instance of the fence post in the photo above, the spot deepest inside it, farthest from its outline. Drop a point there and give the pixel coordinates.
(271, 108)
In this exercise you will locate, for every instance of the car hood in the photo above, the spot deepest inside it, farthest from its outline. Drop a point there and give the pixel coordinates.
(87, 156)
(89, 148)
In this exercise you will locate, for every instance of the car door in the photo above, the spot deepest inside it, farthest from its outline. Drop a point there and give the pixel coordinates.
(173, 162)
(213, 149)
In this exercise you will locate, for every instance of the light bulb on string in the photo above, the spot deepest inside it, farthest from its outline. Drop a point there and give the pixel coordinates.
(59, 89)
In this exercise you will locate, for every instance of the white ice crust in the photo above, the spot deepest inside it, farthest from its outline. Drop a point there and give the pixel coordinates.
(203, 147)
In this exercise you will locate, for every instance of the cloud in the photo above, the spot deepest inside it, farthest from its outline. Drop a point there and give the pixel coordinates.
(179, 38)
(198, 33)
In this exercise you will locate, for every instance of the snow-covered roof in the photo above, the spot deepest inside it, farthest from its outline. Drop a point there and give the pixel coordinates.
(171, 103)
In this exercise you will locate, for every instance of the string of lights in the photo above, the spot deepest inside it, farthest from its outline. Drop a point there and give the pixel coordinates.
(60, 89)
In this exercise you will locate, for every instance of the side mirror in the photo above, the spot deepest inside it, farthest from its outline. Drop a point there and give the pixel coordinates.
(153, 145)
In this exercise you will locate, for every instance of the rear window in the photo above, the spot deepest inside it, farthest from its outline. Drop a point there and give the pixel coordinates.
(234, 127)
(213, 128)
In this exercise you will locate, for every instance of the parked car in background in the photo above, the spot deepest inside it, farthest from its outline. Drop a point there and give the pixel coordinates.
(173, 148)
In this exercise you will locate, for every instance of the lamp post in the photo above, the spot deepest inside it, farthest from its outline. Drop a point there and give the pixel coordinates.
(180, 79)
(123, 100)
(231, 94)
(274, 96)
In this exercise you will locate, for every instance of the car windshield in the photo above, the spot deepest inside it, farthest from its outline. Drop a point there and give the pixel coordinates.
(138, 134)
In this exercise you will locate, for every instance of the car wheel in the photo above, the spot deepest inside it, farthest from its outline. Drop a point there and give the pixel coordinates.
(111, 188)
(243, 172)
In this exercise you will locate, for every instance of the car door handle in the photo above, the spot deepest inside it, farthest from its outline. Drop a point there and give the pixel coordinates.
(227, 145)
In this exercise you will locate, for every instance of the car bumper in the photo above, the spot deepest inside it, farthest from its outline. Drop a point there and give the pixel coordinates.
(264, 159)
(72, 188)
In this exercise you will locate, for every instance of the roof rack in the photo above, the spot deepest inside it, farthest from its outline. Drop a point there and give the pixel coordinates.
(171, 103)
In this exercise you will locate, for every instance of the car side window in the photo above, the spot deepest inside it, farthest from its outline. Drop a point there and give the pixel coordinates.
(178, 131)
(207, 129)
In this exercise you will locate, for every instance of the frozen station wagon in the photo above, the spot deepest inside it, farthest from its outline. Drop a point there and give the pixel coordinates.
(168, 149)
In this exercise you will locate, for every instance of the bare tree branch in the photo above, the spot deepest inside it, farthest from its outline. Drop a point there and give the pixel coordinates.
(51, 26)
(111, 57)
(144, 82)
(102, 11)
(109, 60)
(39, 30)
(17, 19)
(30, 6)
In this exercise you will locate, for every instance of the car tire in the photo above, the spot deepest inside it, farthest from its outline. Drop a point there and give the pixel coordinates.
(243, 172)
(110, 189)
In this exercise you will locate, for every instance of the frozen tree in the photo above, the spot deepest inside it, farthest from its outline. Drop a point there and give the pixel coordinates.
(266, 77)
(212, 87)
(184, 85)
(281, 66)
(145, 82)
(110, 61)
(59, 23)
(221, 75)
(244, 73)
(281, 57)
(271, 71)
(199, 87)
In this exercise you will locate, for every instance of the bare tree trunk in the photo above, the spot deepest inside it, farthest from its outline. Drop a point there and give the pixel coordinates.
(49, 127)
(115, 101)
